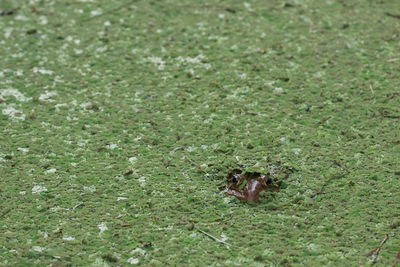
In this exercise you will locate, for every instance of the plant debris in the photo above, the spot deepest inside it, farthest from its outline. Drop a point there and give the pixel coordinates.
(255, 184)
(375, 252)
(392, 15)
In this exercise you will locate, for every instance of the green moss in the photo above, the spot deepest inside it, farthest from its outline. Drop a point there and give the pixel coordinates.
(157, 101)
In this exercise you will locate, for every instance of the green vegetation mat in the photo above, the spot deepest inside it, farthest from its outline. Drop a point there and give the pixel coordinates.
(121, 119)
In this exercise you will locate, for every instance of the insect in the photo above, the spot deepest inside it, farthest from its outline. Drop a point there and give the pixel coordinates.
(255, 184)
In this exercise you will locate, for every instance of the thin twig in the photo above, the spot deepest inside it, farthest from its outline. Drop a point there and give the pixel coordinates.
(77, 205)
(392, 15)
(396, 260)
(214, 238)
(372, 89)
(375, 252)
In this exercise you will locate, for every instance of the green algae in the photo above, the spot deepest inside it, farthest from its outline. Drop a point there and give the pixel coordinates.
(155, 103)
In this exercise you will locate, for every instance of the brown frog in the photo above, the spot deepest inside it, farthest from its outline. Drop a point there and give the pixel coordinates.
(256, 183)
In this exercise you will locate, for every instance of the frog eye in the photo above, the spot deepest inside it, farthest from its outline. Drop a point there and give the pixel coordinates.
(268, 180)
(234, 179)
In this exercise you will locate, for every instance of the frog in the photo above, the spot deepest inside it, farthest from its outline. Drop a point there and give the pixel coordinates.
(255, 184)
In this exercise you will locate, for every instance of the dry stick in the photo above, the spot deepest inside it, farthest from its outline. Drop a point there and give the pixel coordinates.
(396, 260)
(214, 238)
(375, 252)
(392, 15)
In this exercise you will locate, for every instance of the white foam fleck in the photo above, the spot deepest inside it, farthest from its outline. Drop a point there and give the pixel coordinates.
(38, 249)
(91, 188)
(157, 61)
(96, 12)
(278, 90)
(15, 93)
(103, 227)
(53, 170)
(23, 149)
(46, 97)
(13, 113)
(42, 71)
(111, 146)
(138, 251)
(142, 181)
(37, 189)
(132, 159)
(58, 106)
(133, 260)
(68, 238)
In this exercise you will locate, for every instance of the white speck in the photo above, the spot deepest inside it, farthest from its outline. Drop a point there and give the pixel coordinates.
(157, 61)
(138, 251)
(242, 75)
(46, 235)
(133, 260)
(46, 96)
(142, 181)
(74, 164)
(56, 208)
(21, 18)
(22, 193)
(227, 200)
(191, 149)
(23, 149)
(14, 113)
(107, 24)
(247, 5)
(132, 159)
(283, 140)
(221, 16)
(15, 93)
(278, 90)
(19, 72)
(111, 146)
(90, 189)
(42, 71)
(8, 32)
(121, 198)
(224, 238)
(38, 249)
(194, 235)
(103, 227)
(37, 189)
(312, 246)
(51, 171)
(43, 20)
(96, 12)
(58, 106)
(78, 51)
(77, 41)
(86, 105)
(101, 49)
(69, 238)
(296, 151)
